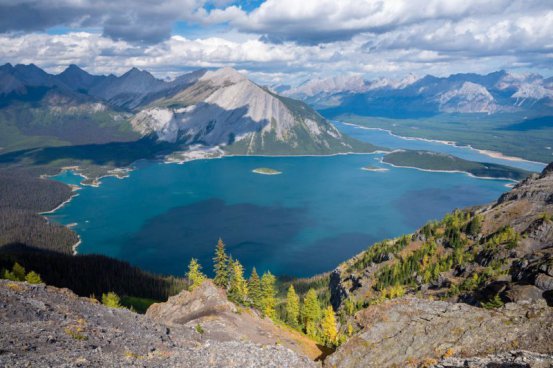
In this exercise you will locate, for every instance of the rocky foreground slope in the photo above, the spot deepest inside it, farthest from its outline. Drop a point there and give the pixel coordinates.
(411, 332)
(491, 268)
(43, 326)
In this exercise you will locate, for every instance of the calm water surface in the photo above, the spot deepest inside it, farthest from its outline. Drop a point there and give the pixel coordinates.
(317, 213)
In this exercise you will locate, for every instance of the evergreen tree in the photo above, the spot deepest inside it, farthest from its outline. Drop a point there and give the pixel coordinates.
(475, 225)
(194, 274)
(254, 290)
(111, 300)
(311, 313)
(238, 286)
(18, 271)
(292, 307)
(268, 292)
(33, 278)
(221, 265)
(328, 324)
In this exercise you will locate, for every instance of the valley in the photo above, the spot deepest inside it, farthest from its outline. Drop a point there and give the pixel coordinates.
(511, 134)
(176, 165)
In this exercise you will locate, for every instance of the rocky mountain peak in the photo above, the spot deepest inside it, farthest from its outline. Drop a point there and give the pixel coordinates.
(135, 73)
(226, 75)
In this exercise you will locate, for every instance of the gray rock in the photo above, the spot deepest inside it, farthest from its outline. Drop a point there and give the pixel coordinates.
(544, 282)
(406, 330)
(77, 332)
(512, 359)
(520, 293)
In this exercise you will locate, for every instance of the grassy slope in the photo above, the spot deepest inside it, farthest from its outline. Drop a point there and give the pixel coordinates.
(500, 132)
(439, 161)
(26, 125)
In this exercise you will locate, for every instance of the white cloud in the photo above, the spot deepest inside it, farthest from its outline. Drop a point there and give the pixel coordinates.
(322, 37)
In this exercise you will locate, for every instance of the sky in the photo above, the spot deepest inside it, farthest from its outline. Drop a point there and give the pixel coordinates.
(281, 41)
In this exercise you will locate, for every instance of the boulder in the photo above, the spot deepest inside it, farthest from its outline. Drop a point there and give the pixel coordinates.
(544, 282)
(523, 293)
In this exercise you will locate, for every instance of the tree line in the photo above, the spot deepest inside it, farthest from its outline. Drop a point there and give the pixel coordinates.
(260, 292)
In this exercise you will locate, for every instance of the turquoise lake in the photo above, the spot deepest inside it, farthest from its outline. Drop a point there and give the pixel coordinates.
(317, 213)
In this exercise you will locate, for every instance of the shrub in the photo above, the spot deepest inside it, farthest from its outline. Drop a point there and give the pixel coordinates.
(33, 278)
(111, 300)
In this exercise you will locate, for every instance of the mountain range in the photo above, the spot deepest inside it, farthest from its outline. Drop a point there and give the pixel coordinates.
(411, 97)
(217, 108)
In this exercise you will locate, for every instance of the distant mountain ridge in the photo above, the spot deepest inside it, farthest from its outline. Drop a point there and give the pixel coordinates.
(413, 97)
(220, 108)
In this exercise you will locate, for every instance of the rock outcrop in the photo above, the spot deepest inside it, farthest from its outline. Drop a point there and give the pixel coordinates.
(417, 332)
(43, 326)
(207, 308)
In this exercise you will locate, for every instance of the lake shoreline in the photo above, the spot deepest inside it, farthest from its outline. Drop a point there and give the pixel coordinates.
(488, 153)
(513, 181)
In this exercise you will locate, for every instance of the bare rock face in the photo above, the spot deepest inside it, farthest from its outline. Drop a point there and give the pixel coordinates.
(207, 308)
(206, 300)
(512, 359)
(412, 331)
(43, 326)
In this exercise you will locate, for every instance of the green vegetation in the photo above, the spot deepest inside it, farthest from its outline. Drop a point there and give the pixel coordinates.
(495, 132)
(275, 299)
(493, 303)
(32, 124)
(268, 295)
(91, 274)
(199, 329)
(238, 286)
(292, 307)
(137, 304)
(266, 171)
(111, 300)
(194, 275)
(220, 265)
(33, 278)
(254, 288)
(439, 161)
(22, 197)
(311, 313)
(430, 257)
(328, 324)
(18, 274)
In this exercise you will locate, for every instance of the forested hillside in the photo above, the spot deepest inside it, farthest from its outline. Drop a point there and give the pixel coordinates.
(22, 197)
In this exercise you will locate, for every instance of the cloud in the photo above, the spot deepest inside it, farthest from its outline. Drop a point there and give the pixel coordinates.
(141, 21)
(283, 40)
(319, 21)
(267, 63)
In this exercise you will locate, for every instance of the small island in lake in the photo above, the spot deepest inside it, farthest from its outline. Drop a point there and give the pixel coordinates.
(266, 171)
(373, 168)
(434, 161)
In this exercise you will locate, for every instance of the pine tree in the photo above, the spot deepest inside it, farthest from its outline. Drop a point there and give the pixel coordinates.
(194, 274)
(221, 265)
(292, 307)
(328, 324)
(311, 313)
(268, 292)
(238, 287)
(111, 300)
(19, 271)
(254, 289)
(33, 278)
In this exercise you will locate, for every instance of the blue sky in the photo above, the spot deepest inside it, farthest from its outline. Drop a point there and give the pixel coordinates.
(281, 41)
